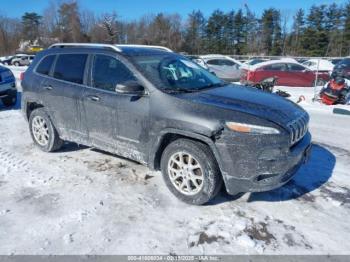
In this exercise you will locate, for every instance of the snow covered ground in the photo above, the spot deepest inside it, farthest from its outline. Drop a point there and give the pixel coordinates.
(84, 201)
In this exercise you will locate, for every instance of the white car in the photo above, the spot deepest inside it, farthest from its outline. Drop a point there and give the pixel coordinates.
(23, 60)
(322, 65)
(224, 67)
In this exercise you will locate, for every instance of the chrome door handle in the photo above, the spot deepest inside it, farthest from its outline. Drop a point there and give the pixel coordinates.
(94, 98)
(48, 88)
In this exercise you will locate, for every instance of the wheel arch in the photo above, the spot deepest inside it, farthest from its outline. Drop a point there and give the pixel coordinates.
(30, 106)
(169, 135)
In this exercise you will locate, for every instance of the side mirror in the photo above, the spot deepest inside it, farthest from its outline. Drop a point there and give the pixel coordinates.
(130, 88)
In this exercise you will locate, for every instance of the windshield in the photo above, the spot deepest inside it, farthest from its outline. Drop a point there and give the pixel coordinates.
(171, 72)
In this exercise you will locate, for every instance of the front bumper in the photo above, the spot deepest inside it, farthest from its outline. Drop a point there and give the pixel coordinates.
(258, 164)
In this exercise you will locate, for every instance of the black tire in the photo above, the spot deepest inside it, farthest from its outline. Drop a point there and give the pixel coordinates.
(212, 180)
(9, 101)
(54, 142)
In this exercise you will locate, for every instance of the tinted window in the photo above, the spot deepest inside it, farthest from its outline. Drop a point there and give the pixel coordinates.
(213, 62)
(45, 65)
(295, 67)
(107, 72)
(70, 67)
(227, 62)
(276, 67)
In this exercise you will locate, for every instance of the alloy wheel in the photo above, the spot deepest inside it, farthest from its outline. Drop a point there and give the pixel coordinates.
(185, 173)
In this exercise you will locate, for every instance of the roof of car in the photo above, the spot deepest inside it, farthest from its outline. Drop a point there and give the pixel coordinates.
(123, 49)
(217, 56)
(271, 62)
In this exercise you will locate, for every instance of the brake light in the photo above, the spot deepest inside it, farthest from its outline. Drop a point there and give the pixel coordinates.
(21, 76)
(250, 75)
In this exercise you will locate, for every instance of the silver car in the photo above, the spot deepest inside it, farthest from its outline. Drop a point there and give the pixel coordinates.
(23, 60)
(224, 67)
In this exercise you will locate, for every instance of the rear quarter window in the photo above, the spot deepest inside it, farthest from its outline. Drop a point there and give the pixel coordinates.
(70, 67)
(45, 65)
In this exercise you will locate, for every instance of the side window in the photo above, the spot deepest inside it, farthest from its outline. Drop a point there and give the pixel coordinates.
(213, 62)
(275, 67)
(295, 67)
(107, 72)
(227, 62)
(45, 65)
(70, 67)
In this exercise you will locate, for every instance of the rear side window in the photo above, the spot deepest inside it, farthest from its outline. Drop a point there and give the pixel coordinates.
(276, 67)
(295, 67)
(213, 62)
(227, 62)
(70, 67)
(45, 65)
(107, 72)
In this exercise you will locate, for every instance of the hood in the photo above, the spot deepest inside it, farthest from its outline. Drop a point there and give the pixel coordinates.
(250, 101)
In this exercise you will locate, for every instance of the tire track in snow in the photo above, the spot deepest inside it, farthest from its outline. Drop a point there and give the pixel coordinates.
(10, 162)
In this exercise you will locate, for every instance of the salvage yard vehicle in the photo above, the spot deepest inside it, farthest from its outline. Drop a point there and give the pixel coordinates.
(162, 110)
(321, 65)
(223, 67)
(287, 74)
(22, 60)
(8, 91)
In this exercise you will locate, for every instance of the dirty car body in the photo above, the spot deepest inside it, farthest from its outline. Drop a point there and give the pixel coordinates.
(258, 140)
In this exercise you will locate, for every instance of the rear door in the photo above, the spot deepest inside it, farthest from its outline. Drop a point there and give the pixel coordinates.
(278, 70)
(299, 75)
(230, 69)
(61, 93)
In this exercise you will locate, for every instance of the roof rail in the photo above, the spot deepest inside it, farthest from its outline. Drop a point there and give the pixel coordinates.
(148, 46)
(62, 45)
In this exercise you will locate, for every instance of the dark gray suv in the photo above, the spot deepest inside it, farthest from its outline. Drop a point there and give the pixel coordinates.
(160, 109)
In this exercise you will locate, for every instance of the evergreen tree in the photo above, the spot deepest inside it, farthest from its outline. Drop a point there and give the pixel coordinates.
(31, 23)
(215, 32)
(267, 22)
(277, 34)
(297, 32)
(239, 33)
(194, 33)
(315, 39)
(345, 50)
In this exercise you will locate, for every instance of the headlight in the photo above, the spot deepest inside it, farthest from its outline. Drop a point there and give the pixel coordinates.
(246, 128)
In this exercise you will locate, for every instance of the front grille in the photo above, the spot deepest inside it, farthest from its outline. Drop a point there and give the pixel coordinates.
(298, 128)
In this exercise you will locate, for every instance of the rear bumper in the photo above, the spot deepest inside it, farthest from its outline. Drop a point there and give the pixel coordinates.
(261, 165)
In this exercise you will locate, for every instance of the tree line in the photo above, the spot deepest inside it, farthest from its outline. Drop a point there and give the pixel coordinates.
(323, 30)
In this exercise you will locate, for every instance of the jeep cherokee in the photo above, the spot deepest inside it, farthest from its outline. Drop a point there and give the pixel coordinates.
(160, 109)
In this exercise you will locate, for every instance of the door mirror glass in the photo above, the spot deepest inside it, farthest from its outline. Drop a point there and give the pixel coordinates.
(130, 88)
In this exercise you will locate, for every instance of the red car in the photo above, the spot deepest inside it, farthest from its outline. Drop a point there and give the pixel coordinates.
(287, 74)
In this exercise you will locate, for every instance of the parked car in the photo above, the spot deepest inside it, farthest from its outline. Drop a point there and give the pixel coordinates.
(343, 67)
(22, 60)
(287, 74)
(198, 60)
(224, 67)
(321, 65)
(162, 110)
(335, 61)
(8, 91)
(252, 62)
(9, 59)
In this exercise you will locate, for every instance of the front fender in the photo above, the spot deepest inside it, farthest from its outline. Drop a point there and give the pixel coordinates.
(156, 149)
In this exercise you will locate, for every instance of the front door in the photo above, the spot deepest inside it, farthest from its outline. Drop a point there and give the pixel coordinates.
(115, 119)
